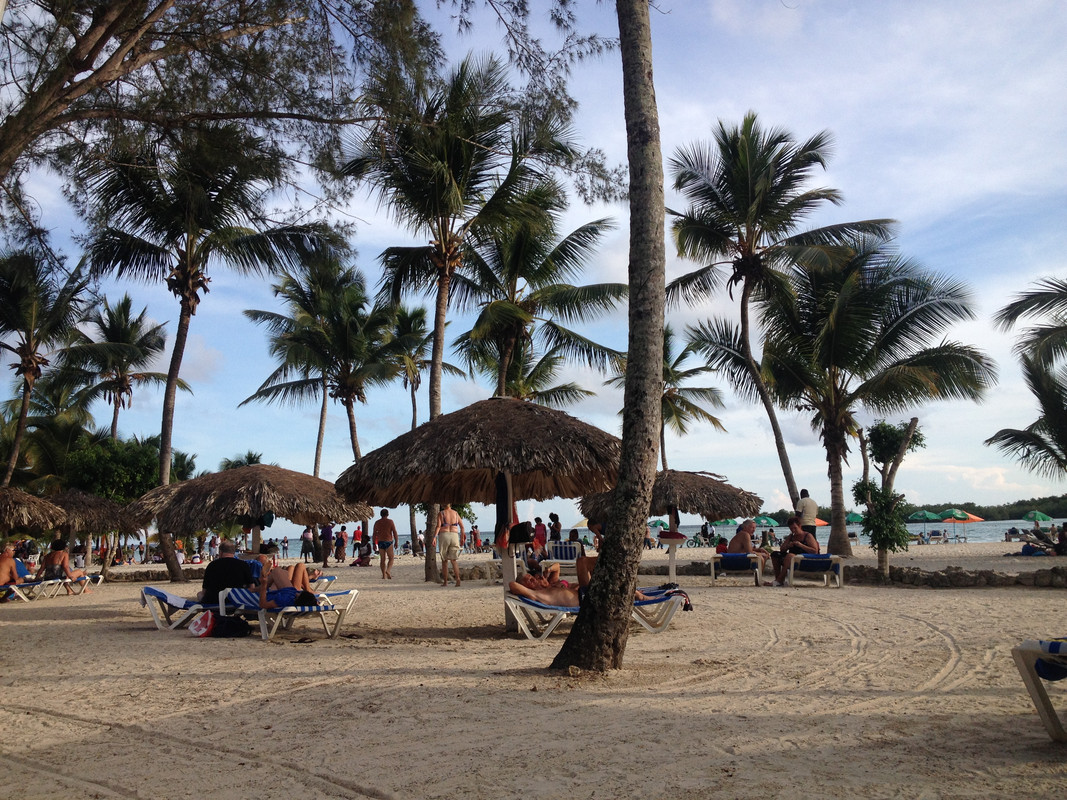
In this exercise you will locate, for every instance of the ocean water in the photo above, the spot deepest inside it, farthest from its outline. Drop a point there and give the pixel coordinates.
(989, 531)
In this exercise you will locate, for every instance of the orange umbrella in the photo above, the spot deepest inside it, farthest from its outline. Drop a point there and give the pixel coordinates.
(820, 522)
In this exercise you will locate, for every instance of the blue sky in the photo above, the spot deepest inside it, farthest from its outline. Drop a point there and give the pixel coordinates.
(948, 117)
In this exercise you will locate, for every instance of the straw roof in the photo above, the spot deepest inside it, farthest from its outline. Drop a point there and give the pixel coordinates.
(88, 513)
(692, 492)
(245, 494)
(21, 510)
(456, 457)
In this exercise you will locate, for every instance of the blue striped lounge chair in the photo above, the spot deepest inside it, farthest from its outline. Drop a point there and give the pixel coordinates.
(29, 589)
(818, 565)
(331, 609)
(538, 620)
(747, 564)
(565, 554)
(1038, 661)
(170, 611)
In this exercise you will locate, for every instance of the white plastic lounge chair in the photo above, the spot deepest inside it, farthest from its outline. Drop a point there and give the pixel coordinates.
(820, 565)
(170, 611)
(332, 606)
(31, 589)
(322, 583)
(937, 537)
(79, 585)
(537, 620)
(747, 564)
(563, 553)
(1040, 660)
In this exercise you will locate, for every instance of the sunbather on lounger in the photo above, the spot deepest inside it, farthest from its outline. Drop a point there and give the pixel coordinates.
(9, 573)
(550, 590)
(284, 586)
(56, 566)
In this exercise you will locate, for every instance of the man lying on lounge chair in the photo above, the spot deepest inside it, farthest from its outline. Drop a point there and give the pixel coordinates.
(547, 588)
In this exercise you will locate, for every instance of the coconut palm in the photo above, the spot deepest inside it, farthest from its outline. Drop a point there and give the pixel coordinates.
(1047, 341)
(531, 375)
(680, 405)
(169, 215)
(306, 289)
(39, 307)
(747, 200)
(450, 163)
(351, 344)
(520, 282)
(110, 360)
(1040, 447)
(864, 331)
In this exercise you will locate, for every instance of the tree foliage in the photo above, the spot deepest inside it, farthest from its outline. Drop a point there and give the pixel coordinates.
(116, 469)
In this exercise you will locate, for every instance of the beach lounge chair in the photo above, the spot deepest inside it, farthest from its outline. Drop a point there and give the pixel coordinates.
(1040, 660)
(331, 608)
(170, 611)
(937, 537)
(821, 565)
(747, 564)
(322, 583)
(31, 589)
(537, 620)
(565, 554)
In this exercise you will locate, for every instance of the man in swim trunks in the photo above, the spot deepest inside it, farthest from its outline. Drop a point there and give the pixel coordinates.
(387, 540)
(9, 573)
(446, 540)
(547, 588)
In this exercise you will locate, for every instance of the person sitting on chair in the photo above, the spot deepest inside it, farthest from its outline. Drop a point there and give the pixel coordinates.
(742, 543)
(284, 586)
(798, 542)
(56, 566)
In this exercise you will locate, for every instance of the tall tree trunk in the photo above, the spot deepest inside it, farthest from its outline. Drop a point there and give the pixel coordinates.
(322, 424)
(597, 640)
(413, 523)
(663, 445)
(437, 358)
(838, 544)
(181, 335)
(115, 422)
(20, 430)
(765, 396)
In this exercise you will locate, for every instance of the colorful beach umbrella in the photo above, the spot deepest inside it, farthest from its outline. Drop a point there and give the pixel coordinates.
(658, 523)
(726, 522)
(820, 522)
(853, 518)
(763, 521)
(958, 515)
(923, 516)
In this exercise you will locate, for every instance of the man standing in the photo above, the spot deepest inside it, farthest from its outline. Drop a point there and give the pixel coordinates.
(387, 540)
(807, 509)
(225, 572)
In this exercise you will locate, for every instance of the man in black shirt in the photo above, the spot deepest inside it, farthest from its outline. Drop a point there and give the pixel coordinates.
(225, 572)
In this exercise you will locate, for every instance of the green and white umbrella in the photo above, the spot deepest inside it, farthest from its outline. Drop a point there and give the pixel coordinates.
(763, 521)
(1037, 516)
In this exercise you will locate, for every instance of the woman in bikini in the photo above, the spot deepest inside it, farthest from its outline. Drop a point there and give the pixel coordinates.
(446, 540)
(56, 566)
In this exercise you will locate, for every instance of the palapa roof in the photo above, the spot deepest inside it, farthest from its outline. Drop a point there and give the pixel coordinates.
(245, 494)
(89, 513)
(701, 493)
(18, 509)
(456, 457)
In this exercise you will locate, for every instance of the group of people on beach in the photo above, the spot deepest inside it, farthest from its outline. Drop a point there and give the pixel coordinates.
(55, 565)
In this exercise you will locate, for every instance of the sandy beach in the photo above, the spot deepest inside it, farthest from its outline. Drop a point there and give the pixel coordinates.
(858, 692)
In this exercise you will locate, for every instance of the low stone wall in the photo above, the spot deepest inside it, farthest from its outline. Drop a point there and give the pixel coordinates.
(950, 577)
(154, 575)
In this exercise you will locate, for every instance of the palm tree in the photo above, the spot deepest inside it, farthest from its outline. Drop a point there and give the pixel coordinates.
(306, 290)
(450, 163)
(1040, 447)
(1046, 342)
(747, 200)
(249, 458)
(519, 281)
(680, 405)
(170, 215)
(351, 344)
(113, 362)
(38, 309)
(531, 375)
(862, 332)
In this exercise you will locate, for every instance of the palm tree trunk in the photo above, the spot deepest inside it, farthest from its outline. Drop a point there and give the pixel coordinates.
(503, 367)
(351, 412)
(597, 640)
(413, 523)
(765, 397)
(20, 429)
(322, 424)
(835, 447)
(663, 445)
(437, 352)
(115, 422)
(181, 335)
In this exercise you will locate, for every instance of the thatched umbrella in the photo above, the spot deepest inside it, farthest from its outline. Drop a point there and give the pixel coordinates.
(21, 510)
(458, 457)
(701, 493)
(89, 513)
(496, 450)
(692, 492)
(245, 495)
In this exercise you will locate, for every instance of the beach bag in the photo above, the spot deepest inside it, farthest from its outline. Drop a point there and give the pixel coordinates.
(203, 625)
(230, 627)
(521, 533)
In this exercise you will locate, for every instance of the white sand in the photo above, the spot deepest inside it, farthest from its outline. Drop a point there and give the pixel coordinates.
(858, 692)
